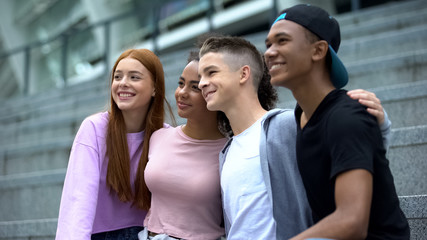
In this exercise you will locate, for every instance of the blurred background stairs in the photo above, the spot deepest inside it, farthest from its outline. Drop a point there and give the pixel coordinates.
(384, 49)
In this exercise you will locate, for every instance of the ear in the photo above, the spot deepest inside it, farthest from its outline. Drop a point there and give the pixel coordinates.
(153, 94)
(245, 73)
(320, 50)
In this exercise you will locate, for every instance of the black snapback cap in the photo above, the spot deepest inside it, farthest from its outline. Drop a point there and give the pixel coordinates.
(319, 22)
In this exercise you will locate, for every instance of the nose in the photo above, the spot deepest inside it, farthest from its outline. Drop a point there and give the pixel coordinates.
(182, 92)
(203, 83)
(123, 82)
(270, 52)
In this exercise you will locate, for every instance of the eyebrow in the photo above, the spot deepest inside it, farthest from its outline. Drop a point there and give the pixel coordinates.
(191, 81)
(132, 72)
(277, 35)
(206, 69)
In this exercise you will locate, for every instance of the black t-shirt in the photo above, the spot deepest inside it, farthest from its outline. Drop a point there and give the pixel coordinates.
(340, 136)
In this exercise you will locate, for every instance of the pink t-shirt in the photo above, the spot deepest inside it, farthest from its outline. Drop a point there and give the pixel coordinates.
(86, 205)
(183, 177)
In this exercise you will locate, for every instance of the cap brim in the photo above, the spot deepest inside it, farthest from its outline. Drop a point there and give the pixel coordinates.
(339, 75)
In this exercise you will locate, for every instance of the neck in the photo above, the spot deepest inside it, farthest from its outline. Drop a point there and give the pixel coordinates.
(311, 91)
(135, 122)
(245, 115)
(309, 98)
(202, 130)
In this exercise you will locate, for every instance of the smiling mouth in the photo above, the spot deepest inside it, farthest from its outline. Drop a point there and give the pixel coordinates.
(182, 105)
(275, 66)
(208, 94)
(125, 95)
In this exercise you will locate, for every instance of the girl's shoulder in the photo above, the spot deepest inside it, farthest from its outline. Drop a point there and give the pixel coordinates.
(165, 130)
(95, 124)
(100, 118)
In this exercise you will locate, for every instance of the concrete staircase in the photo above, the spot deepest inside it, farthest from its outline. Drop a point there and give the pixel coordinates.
(384, 49)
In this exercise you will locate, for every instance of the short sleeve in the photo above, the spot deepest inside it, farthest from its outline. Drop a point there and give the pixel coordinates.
(351, 135)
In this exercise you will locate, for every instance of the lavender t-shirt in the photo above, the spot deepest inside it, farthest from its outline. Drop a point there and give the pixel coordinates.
(87, 206)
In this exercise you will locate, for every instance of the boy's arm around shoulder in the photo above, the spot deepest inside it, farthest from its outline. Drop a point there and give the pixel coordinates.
(374, 107)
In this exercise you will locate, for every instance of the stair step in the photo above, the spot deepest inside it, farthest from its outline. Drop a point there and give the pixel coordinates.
(389, 70)
(43, 188)
(34, 130)
(415, 209)
(408, 159)
(371, 46)
(386, 10)
(80, 103)
(22, 180)
(35, 156)
(381, 13)
(31, 196)
(40, 229)
(406, 103)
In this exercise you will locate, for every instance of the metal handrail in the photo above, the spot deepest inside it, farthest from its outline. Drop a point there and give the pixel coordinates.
(64, 37)
(106, 25)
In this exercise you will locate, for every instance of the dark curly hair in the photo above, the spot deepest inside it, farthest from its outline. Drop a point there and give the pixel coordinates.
(267, 94)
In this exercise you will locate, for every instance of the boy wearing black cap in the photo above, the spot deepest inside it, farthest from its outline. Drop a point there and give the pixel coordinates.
(340, 152)
(262, 190)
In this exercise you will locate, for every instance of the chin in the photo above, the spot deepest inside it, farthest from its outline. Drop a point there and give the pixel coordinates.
(275, 81)
(122, 107)
(211, 107)
(278, 81)
(181, 115)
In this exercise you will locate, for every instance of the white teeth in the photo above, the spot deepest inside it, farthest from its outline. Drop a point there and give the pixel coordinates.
(208, 94)
(125, 95)
(276, 66)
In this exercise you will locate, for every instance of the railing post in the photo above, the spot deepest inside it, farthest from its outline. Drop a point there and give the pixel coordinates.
(274, 11)
(156, 31)
(64, 58)
(107, 26)
(27, 57)
(211, 11)
(355, 5)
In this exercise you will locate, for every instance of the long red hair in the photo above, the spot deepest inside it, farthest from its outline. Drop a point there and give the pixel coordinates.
(118, 172)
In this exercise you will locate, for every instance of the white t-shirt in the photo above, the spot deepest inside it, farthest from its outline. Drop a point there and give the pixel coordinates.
(246, 201)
